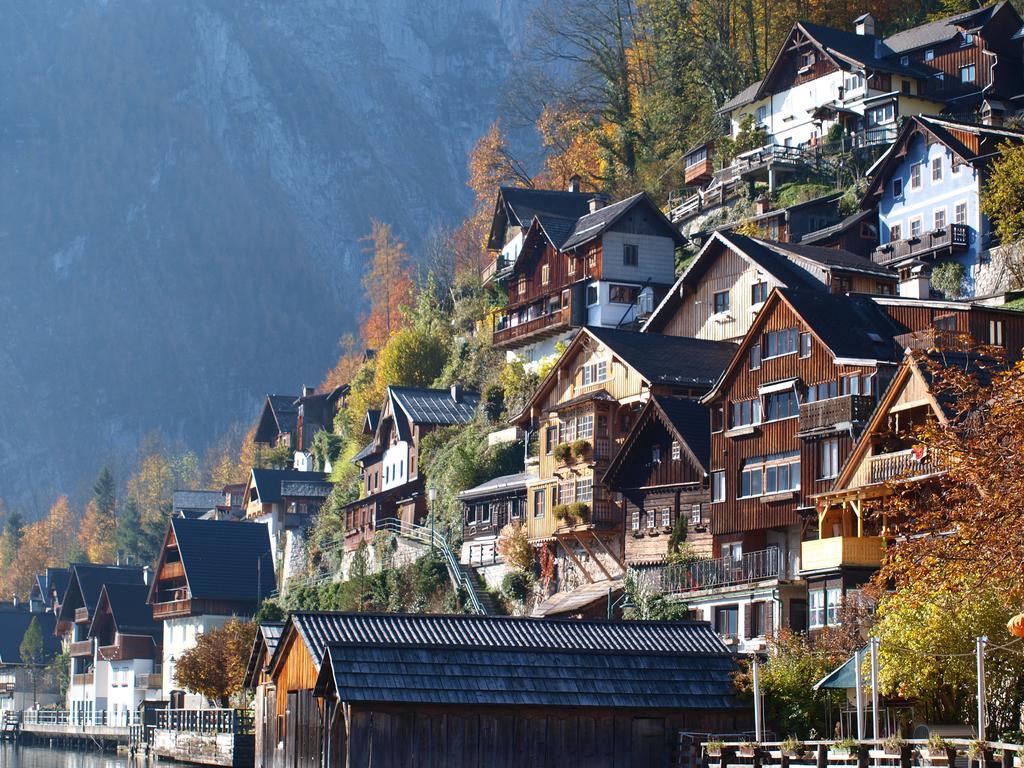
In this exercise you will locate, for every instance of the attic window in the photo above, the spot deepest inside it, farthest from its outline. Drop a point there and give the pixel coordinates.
(676, 450)
(806, 60)
(904, 60)
(929, 55)
(967, 40)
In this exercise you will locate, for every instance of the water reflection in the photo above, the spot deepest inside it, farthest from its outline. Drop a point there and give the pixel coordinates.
(41, 757)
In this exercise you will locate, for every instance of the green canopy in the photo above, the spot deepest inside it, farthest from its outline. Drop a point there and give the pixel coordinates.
(843, 676)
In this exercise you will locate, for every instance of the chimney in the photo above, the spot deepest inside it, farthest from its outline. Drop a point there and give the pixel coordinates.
(456, 393)
(14, 600)
(146, 574)
(574, 183)
(762, 205)
(308, 391)
(865, 25)
(596, 203)
(915, 282)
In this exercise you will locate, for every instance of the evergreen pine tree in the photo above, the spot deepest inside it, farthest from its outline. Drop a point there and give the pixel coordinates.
(129, 531)
(104, 493)
(10, 540)
(32, 652)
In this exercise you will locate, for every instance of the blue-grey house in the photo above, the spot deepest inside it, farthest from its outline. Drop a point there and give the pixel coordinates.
(927, 188)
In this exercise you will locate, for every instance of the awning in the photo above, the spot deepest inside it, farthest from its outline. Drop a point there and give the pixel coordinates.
(579, 598)
(777, 386)
(844, 676)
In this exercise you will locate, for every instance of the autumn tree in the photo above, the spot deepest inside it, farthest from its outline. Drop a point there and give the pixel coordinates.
(96, 535)
(215, 666)
(388, 283)
(1002, 200)
(412, 358)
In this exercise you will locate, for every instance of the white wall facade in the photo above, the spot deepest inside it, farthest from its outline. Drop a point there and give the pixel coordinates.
(656, 258)
(126, 688)
(394, 469)
(179, 636)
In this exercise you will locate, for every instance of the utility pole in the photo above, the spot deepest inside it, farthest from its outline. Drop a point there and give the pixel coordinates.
(756, 671)
(859, 677)
(875, 733)
(980, 651)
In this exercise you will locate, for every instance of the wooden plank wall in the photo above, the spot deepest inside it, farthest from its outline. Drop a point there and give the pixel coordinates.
(461, 737)
(559, 277)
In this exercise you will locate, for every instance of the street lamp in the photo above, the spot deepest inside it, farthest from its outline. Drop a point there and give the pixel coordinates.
(431, 498)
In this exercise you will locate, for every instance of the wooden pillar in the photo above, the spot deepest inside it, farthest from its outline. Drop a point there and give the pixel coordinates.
(858, 507)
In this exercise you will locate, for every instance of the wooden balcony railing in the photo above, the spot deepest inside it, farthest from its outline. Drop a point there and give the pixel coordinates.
(81, 614)
(127, 647)
(175, 570)
(772, 154)
(83, 679)
(80, 648)
(824, 414)
(761, 565)
(898, 465)
(837, 551)
(936, 243)
(153, 681)
(172, 608)
(544, 325)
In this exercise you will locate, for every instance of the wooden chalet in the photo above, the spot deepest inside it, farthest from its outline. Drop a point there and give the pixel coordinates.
(845, 547)
(207, 572)
(570, 260)
(293, 420)
(582, 412)
(401, 690)
(660, 478)
(48, 589)
(856, 233)
(258, 680)
(278, 421)
(486, 509)
(390, 478)
(720, 293)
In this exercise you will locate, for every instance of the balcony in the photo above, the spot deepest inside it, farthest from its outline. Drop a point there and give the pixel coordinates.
(85, 679)
(757, 162)
(936, 244)
(81, 614)
(172, 609)
(826, 414)
(152, 682)
(80, 648)
(173, 570)
(537, 328)
(699, 172)
(835, 552)
(763, 565)
(495, 269)
(129, 647)
(897, 465)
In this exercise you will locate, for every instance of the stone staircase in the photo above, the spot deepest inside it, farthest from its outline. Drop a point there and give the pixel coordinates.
(491, 606)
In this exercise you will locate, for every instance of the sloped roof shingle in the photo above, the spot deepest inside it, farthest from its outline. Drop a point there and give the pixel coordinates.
(226, 560)
(13, 624)
(435, 406)
(668, 359)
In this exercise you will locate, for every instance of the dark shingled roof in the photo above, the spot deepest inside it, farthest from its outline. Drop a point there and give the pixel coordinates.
(594, 224)
(826, 232)
(671, 360)
(86, 583)
(692, 421)
(743, 97)
(320, 629)
(269, 482)
(524, 205)
(488, 676)
(285, 410)
(305, 489)
(263, 646)
(13, 624)
(193, 500)
(435, 406)
(226, 560)
(132, 613)
(502, 484)
(52, 580)
(939, 30)
(847, 324)
(767, 252)
(557, 229)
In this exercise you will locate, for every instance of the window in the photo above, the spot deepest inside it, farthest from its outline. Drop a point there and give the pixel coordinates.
(929, 55)
(635, 520)
(651, 518)
(656, 454)
(570, 264)
(842, 284)
(960, 213)
(781, 405)
(717, 418)
(816, 607)
(822, 391)
(585, 427)
(592, 295)
(833, 599)
(758, 293)
(778, 343)
(485, 513)
(696, 157)
(515, 508)
(858, 384)
(593, 373)
(806, 60)
(915, 227)
(939, 218)
(895, 232)
(880, 115)
(566, 491)
(550, 439)
(696, 516)
(755, 357)
(727, 620)
(829, 458)
(623, 294)
(805, 345)
(762, 114)
(945, 323)
(718, 486)
(585, 489)
(967, 74)
(538, 503)
(721, 302)
(995, 332)
(854, 82)
(904, 60)
(915, 176)
(545, 274)
(677, 451)
(967, 39)
(751, 481)
(905, 86)
(630, 255)
(745, 413)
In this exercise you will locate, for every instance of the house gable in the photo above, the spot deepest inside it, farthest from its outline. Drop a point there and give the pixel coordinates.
(632, 465)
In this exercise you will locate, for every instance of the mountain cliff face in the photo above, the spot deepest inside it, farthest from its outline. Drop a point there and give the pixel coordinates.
(184, 189)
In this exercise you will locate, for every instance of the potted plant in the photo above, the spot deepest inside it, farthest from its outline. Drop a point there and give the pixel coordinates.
(895, 744)
(581, 448)
(563, 452)
(846, 748)
(749, 748)
(793, 747)
(714, 747)
(939, 749)
(977, 750)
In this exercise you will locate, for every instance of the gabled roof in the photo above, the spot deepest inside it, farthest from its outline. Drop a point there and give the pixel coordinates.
(826, 233)
(53, 580)
(86, 582)
(785, 262)
(745, 96)
(13, 624)
(131, 613)
(496, 485)
(948, 131)
(519, 206)
(851, 327)
(593, 225)
(271, 484)
(196, 500)
(263, 647)
(941, 30)
(686, 420)
(434, 406)
(486, 676)
(224, 560)
(279, 415)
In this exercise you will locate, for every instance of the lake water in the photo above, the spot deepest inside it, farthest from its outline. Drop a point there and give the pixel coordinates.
(41, 757)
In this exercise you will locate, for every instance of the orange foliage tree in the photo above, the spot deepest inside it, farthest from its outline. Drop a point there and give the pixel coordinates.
(388, 283)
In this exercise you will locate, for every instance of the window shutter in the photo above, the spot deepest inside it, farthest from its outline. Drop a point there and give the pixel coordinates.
(769, 618)
(748, 620)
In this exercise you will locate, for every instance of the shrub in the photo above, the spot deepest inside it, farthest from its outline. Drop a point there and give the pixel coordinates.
(562, 452)
(581, 448)
(514, 546)
(938, 744)
(793, 746)
(949, 278)
(894, 743)
(516, 585)
(849, 746)
(428, 576)
(576, 512)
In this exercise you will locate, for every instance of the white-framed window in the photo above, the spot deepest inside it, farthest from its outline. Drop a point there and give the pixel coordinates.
(696, 517)
(538, 502)
(806, 59)
(744, 413)
(781, 405)
(721, 302)
(916, 226)
(929, 55)
(759, 293)
(829, 458)
(622, 294)
(755, 356)
(567, 430)
(630, 255)
(822, 391)
(833, 599)
(805, 345)
(967, 39)
(816, 608)
(656, 454)
(545, 274)
(570, 264)
(762, 113)
(635, 520)
(751, 481)
(936, 170)
(960, 213)
(718, 485)
(567, 491)
(967, 74)
(585, 489)
(904, 60)
(666, 517)
(939, 218)
(593, 295)
(854, 82)
(995, 332)
(593, 373)
(677, 451)
(915, 176)
(858, 384)
(895, 232)
(778, 473)
(585, 426)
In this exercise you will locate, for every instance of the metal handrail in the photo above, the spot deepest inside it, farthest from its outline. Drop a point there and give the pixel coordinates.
(430, 536)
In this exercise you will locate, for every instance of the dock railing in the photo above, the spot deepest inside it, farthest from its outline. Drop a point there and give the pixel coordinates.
(205, 720)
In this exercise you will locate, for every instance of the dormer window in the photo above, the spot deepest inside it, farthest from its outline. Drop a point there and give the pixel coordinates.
(929, 55)
(967, 40)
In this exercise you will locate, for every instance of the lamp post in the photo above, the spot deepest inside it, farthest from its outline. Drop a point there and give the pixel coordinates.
(431, 497)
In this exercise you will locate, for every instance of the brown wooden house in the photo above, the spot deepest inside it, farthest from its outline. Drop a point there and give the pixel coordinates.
(486, 509)
(721, 292)
(391, 479)
(258, 680)
(661, 478)
(401, 690)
